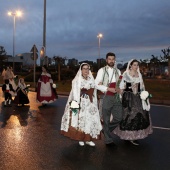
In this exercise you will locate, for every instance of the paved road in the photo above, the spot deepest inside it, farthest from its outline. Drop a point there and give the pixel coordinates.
(31, 140)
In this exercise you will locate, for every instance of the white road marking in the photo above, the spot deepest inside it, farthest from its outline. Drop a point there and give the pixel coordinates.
(163, 128)
(160, 105)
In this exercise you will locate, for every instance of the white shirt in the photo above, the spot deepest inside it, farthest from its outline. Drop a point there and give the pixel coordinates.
(99, 78)
(7, 86)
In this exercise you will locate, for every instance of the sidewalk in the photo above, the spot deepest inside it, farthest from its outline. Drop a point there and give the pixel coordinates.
(152, 100)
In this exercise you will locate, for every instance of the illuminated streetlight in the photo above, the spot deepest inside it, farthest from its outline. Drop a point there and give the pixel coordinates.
(42, 55)
(14, 14)
(99, 36)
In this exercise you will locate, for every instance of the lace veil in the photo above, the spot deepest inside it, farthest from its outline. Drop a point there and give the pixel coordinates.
(142, 86)
(22, 86)
(74, 95)
(139, 73)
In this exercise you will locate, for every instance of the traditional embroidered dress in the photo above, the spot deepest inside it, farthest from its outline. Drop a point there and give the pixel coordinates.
(45, 92)
(22, 96)
(136, 123)
(10, 76)
(85, 125)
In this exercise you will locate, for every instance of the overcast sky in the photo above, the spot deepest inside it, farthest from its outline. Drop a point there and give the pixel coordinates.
(130, 28)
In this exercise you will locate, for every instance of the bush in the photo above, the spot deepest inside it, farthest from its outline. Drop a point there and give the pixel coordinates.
(30, 77)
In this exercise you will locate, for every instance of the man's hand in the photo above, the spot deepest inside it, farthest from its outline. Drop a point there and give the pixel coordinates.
(120, 91)
(113, 90)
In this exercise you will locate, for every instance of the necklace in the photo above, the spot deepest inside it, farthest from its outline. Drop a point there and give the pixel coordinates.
(134, 74)
(85, 77)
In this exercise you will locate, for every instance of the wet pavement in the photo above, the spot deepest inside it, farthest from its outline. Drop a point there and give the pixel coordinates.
(30, 140)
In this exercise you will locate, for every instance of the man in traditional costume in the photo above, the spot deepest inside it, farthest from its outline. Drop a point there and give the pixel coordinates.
(10, 76)
(7, 89)
(106, 82)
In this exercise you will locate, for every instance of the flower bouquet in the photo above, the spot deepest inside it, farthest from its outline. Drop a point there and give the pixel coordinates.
(119, 80)
(15, 79)
(144, 95)
(74, 106)
(118, 96)
(27, 87)
(54, 86)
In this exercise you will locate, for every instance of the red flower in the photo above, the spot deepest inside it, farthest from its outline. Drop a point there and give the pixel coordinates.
(120, 77)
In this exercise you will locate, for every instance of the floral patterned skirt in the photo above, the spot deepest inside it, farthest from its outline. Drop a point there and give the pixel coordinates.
(85, 125)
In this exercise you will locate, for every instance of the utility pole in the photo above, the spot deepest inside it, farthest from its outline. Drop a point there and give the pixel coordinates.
(44, 32)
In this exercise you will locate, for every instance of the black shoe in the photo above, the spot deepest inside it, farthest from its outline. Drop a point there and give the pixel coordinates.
(111, 145)
(5, 105)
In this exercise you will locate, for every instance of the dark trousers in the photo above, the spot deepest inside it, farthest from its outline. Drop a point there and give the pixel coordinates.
(8, 96)
(111, 105)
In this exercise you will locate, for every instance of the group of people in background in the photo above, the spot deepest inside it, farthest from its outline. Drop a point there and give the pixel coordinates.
(11, 88)
(119, 109)
(14, 87)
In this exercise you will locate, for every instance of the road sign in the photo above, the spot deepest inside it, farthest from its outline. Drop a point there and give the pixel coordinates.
(34, 48)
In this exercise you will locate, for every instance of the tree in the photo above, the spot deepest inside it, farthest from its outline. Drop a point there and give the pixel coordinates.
(155, 62)
(59, 61)
(166, 53)
(2, 51)
(2, 56)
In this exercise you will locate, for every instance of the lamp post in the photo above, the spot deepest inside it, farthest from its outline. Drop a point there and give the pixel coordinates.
(44, 29)
(99, 36)
(14, 14)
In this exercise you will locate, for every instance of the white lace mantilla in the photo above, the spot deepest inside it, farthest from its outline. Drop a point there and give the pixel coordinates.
(88, 119)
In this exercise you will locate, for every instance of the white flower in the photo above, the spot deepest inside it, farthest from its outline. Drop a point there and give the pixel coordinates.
(74, 104)
(54, 86)
(144, 95)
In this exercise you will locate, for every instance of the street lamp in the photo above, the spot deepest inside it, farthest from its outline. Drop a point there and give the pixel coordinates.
(42, 55)
(14, 14)
(44, 28)
(99, 36)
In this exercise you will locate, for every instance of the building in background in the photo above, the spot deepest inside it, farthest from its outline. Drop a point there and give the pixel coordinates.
(101, 62)
(73, 62)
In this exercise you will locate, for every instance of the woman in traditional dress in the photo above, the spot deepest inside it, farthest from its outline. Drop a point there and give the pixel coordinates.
(136, 123)
(84, 126)
(45, 91)
(22, 93)
(10, 76)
